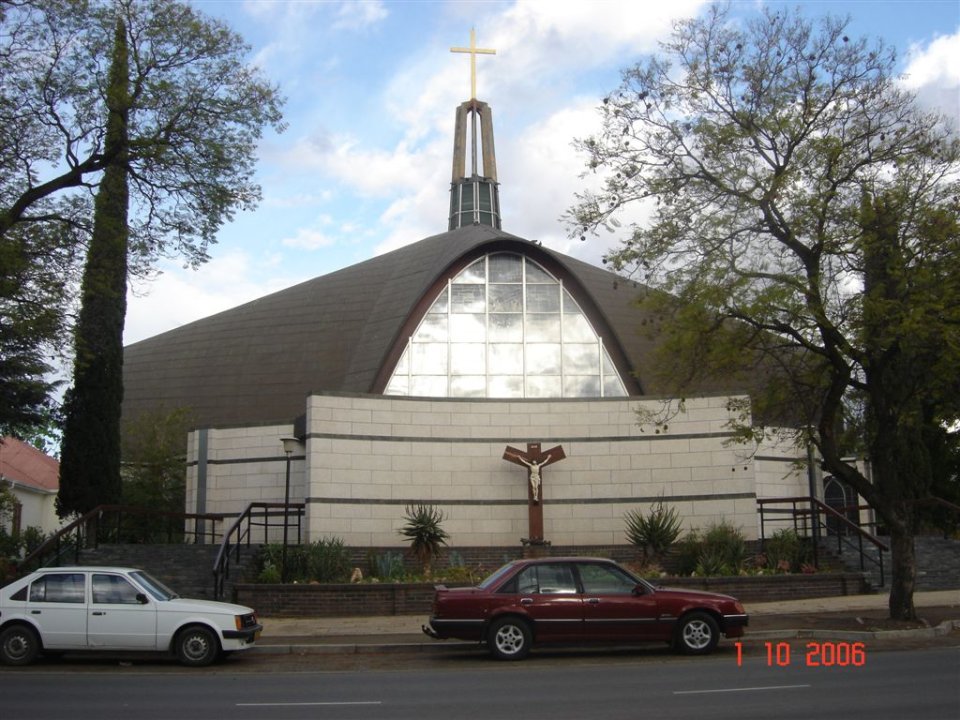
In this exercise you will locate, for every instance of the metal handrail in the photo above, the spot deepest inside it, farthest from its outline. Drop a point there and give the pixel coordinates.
(242, 530)
(934, 500)
(813, 511)
(89, 531)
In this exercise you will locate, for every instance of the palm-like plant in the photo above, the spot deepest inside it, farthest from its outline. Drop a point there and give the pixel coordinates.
(655, 532)
(423, 530)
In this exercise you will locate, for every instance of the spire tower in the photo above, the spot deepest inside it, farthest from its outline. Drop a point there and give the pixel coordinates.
(474, 198)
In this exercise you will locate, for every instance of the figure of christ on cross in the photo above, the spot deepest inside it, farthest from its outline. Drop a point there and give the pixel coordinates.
(534, 460)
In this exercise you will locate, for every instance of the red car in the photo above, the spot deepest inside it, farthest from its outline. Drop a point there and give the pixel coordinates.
(580, 600)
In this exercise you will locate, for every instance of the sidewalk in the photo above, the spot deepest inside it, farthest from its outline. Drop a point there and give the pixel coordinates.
(813, 618)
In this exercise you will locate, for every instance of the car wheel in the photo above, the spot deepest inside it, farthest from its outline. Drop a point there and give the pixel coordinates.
(19, 645)
(697, 634)
(509, 639)
(197, 646)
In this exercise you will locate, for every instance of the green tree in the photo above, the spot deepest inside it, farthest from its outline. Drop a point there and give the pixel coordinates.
(154, 469)
(8, 502)
(90, 458)
(35, 272)
(803, 213)
(195, 113)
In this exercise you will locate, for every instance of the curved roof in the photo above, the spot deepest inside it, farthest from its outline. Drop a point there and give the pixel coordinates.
(257, 363)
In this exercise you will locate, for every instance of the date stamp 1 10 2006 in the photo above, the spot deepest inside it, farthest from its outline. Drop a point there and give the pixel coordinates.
(815, 654)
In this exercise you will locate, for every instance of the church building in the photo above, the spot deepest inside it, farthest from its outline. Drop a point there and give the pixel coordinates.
(475, 371)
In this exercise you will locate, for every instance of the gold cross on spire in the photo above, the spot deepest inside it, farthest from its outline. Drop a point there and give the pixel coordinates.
(474, 51)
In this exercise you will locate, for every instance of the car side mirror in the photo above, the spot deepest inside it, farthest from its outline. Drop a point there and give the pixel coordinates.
(640, 589)
(142, 599)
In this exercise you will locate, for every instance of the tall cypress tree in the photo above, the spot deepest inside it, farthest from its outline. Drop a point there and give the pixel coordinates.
(90, 458)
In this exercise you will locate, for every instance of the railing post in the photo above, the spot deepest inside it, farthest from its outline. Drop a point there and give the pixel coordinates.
(815, 532)
(763, 538)
(237, 543)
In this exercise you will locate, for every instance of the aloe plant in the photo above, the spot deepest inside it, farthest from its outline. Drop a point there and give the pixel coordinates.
(424, 531)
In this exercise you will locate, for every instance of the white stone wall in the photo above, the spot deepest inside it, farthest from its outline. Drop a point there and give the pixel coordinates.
(782, 467)
(244, 465)
(38, 508)
(368, 456)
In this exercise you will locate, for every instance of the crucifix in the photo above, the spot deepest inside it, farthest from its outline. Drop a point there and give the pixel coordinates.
(534, 459)
(474, 51)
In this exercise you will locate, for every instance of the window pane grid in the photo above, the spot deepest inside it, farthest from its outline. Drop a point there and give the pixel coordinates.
(504, 327)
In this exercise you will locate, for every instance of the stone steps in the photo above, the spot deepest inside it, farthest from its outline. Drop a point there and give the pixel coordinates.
(187, 569)
(938, 562)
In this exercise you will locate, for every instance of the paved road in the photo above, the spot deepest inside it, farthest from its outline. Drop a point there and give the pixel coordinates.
(919, 684)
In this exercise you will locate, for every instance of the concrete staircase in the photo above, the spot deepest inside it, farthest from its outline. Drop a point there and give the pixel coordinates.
(938, 562)
(186, 569)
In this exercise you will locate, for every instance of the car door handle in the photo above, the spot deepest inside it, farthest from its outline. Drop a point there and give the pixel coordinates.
(526, 601)
(36, 612)
(593, 601)
(98, 612)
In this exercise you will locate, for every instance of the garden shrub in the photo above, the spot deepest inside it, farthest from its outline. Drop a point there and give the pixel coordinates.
(723, 542)
(423, 528)
(327, 560)
(720, 549)
(654, 532)
(386, 566)
(687, 553)
(786, 551)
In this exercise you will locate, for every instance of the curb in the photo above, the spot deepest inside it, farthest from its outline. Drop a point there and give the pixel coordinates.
(358, 648)
(944, 628)
(303, 648)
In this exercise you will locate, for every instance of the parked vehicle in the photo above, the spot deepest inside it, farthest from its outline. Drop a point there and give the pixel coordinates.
(56, 610)
(566, 600)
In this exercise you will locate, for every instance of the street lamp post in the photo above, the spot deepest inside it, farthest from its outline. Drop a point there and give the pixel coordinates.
(289, 445)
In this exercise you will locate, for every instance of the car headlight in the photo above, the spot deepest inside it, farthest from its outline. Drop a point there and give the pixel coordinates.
(245, 621)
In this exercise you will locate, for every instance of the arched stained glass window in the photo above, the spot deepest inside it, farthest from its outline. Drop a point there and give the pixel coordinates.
(505, 328)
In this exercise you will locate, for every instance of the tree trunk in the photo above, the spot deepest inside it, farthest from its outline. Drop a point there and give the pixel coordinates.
(903, 574)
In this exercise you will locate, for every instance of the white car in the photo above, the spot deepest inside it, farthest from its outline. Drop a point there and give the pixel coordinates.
(63, 609)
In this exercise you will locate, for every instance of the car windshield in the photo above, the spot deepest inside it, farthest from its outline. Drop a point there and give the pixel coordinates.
(491, 580)
(153, 586)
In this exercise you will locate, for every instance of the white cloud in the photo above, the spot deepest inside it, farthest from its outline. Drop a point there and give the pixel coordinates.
(546, 173)
(359, 14)
(296, 199)
(933, 73)
(179, 296)
(537, 45)
(308, 239)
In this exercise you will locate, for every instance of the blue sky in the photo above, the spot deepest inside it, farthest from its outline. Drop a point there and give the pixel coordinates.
(364, 164)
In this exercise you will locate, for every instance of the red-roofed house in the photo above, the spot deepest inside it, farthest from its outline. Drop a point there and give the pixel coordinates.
(34, 479)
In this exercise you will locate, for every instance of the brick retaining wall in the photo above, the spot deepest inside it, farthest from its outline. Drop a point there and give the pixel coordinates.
(415, 598)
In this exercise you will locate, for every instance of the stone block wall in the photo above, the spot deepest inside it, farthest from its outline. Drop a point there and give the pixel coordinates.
(370, 456)
(367, 457)
(242, 465)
